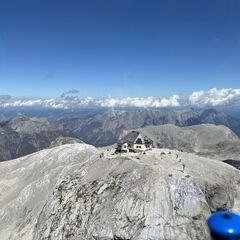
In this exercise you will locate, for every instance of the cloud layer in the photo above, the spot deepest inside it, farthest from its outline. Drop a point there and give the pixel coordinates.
(213, 97)
(74, 102)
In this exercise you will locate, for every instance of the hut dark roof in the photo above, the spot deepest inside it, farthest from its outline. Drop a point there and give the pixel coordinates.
(130, 137)
(147, 140)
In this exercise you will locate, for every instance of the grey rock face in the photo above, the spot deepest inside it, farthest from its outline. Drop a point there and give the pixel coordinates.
(78, 192)
(64, 140)
(24, 135)
(125, 206)
(26, 183)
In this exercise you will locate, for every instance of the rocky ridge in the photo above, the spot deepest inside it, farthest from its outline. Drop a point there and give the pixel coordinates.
(64, 140)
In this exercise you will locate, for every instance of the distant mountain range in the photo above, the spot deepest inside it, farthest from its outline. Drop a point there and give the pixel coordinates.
(23, 135)
(104, 128)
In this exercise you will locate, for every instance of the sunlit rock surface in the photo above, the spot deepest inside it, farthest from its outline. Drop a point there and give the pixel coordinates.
(64, 140)
(78, 192)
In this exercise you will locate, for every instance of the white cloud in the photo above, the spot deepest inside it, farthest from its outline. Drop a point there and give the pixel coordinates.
(173, 101)
(215, 97)
(66, 103)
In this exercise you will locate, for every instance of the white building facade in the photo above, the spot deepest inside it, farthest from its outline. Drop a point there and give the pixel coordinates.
(134, 142)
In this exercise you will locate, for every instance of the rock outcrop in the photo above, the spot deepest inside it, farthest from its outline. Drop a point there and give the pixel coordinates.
(64, 140)
(76, 191)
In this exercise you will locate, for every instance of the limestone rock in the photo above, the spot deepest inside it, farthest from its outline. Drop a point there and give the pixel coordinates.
(70, 192)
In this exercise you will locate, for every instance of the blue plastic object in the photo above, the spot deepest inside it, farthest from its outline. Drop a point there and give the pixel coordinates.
(224, 226)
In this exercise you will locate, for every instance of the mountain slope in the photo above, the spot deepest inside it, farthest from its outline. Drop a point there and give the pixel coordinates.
(64, 140)
(212, 141)
(78, 192)
(104, 128)
(24, 135)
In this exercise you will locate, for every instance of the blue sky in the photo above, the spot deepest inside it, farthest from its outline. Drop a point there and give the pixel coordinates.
(118, 48)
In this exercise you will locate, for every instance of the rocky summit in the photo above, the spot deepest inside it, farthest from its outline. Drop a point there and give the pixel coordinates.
(76, 191)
